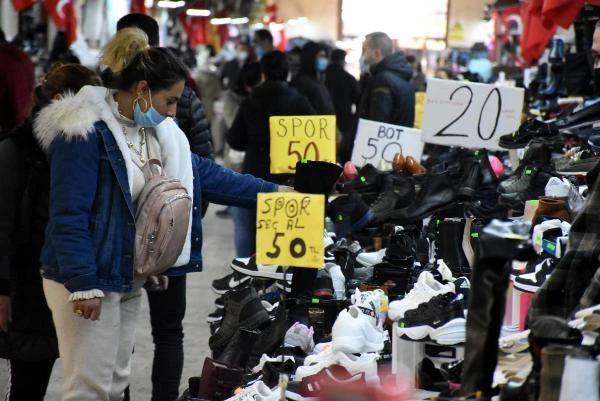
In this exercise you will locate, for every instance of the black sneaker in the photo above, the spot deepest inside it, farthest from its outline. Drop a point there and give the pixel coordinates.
(242, 309)
(368, 180)
(229, 282)
(530, 129)
(531, 282)
(249, 267)
(581, 162)
(441, 319)
(215, 316)
(349, 214)
(536, 188)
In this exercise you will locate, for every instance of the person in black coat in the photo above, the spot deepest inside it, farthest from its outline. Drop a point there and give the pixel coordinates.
(389, 96)
(309, 81)
(345, 94)
(27, 335)
(250, 129)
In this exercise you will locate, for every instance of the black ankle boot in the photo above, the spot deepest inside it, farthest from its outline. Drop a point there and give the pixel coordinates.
(489, 281)
(435, 193)
(237, 351)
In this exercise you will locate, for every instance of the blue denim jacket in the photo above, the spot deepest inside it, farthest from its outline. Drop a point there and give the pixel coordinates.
(90, 233)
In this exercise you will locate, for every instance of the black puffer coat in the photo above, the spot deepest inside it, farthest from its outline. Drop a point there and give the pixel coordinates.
(25, 189)
(250, 129)
(192, 120)
(307, 83)
(389, 96)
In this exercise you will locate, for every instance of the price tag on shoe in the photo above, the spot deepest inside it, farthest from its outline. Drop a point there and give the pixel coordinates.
(289, 229)
(471, 115)
(377, 141)
(295, 138)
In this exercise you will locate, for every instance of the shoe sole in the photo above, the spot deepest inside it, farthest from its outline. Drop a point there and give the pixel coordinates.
(452, 332)
(213, 319)
(526, 287)
(261, 274)
(361, 345)
(572, 172)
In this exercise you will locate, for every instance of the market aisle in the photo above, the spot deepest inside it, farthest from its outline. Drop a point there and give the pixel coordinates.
(218, 252)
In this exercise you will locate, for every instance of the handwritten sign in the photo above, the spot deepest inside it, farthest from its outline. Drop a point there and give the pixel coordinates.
(289, 229)
(469, 114)
(295, 138)
(379, 141)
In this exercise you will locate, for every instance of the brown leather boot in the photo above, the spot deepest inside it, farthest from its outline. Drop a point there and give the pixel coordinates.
(398, 163)
(412, 166)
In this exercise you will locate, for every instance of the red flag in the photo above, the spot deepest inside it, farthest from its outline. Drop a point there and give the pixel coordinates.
(21, 5)
(562, 12)
(138, 6)
(64, 16)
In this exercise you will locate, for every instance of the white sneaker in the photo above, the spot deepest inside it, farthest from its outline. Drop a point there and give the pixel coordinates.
(370, 259)
(299, 335)
(338, 279)
(365, 363)
(557, 188)
(424, 289)
(258, 391)
(376, 301)
(355, 332)
(444, 270)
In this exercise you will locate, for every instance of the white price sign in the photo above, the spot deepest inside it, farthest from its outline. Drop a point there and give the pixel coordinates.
(469, 114)
(377, 141)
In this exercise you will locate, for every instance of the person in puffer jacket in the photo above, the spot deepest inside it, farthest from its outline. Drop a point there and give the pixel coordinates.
(97, 143)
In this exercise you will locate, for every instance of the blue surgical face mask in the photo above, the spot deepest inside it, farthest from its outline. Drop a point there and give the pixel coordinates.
(321, 64)
(149, 118)
(259, 51)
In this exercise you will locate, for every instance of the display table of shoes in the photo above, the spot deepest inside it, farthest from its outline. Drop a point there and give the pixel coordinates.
(407, 354)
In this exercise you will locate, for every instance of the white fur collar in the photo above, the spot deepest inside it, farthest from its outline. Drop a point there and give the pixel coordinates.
(73, 117)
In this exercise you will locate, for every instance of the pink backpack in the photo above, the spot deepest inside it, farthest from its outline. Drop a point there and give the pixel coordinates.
(161, 221)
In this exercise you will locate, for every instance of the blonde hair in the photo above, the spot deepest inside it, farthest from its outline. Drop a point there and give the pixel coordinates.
(123, 47)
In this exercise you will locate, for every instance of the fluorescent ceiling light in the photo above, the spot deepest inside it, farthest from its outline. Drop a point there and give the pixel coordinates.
(171, 4)
(220, 21)
(196, 12)
(241, 20)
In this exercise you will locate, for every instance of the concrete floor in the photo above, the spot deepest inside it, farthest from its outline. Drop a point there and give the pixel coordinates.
(218, 251)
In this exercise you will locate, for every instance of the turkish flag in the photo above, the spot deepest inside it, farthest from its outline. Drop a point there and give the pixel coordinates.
(562, 12)
(21, 5)
(64, 15)
(537, 31)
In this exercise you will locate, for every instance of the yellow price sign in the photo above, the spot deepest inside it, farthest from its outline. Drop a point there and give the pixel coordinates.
(420, 98)
(289, 229)
(295, 138)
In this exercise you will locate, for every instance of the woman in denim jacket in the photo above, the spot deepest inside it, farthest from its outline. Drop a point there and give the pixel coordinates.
(97, 142)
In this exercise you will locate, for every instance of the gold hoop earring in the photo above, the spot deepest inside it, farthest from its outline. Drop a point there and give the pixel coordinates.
(136, 100)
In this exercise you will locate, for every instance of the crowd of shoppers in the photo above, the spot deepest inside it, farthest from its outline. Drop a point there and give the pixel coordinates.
(73, 153)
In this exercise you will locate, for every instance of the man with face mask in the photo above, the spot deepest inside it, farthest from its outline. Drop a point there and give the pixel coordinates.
(263, 42)
(388, 97)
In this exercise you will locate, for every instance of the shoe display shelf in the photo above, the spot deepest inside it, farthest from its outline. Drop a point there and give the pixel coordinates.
(407, 354)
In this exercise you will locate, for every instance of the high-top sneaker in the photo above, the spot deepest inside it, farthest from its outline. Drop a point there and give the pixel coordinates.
(449, 248)
(435, 193)
(270, 338)
(242, 309)
(398, 191)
